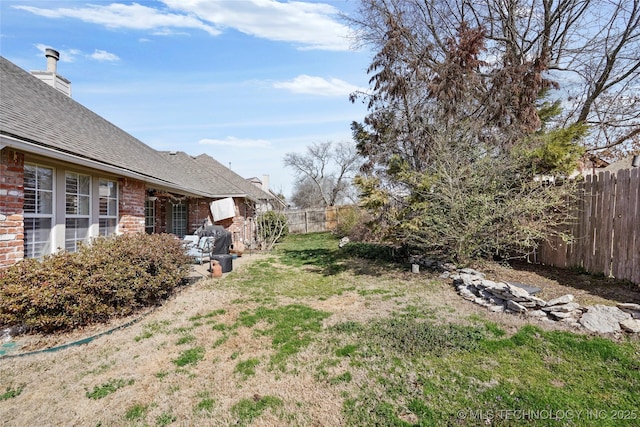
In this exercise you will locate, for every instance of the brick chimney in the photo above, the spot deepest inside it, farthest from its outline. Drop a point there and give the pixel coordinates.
(51, 76)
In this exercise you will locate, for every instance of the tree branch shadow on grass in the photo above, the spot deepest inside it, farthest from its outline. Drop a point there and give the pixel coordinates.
(329, 262)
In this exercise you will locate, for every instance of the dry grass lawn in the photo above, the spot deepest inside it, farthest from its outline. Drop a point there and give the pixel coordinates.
(202, 360)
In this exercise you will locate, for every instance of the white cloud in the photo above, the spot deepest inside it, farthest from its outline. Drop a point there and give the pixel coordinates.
(317, 86)
(103, 55)
(66, 55)
(71, 55)
(132, 16)
(168, 32)
(236, 142)
(310, 25)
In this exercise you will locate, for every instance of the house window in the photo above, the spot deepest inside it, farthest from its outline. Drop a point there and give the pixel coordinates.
(78, 212)
(179, 219)
(108, 191)
(150, 216)
(38, 210)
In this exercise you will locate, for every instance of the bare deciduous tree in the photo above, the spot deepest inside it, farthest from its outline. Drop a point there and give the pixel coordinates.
(306, 194)
(590, 49)
(326, 166)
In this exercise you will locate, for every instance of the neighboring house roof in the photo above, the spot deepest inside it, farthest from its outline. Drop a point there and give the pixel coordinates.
(621, 164)
(205, 172)
(258, 183)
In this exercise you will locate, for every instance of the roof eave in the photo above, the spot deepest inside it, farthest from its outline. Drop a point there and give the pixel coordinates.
(31, 147)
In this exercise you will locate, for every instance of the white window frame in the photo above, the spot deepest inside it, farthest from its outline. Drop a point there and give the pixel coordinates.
(150, 216)
(179, 218)
(44, 245)
(71, 242)
(111, 213)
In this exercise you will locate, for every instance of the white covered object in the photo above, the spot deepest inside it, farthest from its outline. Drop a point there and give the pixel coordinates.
(223, 209)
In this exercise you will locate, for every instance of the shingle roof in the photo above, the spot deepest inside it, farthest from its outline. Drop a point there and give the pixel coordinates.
(32, 111)
(197, 176)
(206, 173)
(621, 164)
(227, 174)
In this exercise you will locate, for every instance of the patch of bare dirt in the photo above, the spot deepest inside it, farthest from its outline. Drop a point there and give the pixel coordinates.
(554, 282)
(36, 341)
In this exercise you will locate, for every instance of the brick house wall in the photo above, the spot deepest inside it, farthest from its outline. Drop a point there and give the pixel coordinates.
(131, 206)
(161, 216)
(199, 212)
(11, 207)
(132, 195)
(241, 225)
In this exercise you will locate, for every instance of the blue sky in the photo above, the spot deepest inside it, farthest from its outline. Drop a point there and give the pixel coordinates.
(244, 81)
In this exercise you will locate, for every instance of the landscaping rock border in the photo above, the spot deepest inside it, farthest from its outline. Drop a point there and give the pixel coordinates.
(510, 298)
(507, 297)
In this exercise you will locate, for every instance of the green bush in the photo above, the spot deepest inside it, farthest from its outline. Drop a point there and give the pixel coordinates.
(111, 277)
(353, 223)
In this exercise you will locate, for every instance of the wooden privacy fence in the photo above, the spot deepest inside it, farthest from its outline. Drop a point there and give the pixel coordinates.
(606, 232)
(314, 220)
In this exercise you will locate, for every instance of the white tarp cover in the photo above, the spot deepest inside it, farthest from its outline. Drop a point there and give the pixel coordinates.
(223, 209)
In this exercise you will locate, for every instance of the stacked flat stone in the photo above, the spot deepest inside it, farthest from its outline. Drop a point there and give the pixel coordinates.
(507, 297)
